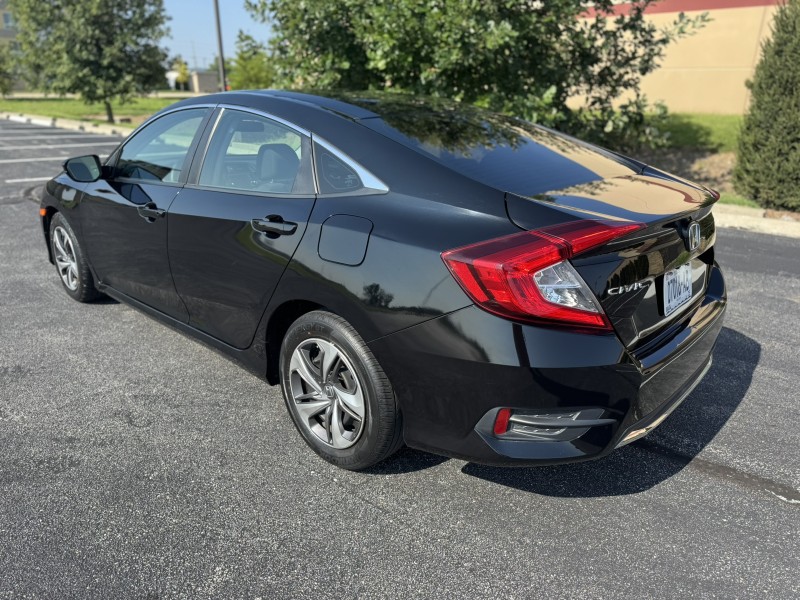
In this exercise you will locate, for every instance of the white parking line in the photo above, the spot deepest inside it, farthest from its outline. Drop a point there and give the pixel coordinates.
(40, 129)
(4, 161)
(34, 130)
(50, 136)
(27, 179)
(54, 146)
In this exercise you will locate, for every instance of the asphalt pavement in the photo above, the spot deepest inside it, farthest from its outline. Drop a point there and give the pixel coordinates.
(137, 463)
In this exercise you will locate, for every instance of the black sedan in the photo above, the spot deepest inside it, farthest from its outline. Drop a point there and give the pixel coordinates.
(408, 271)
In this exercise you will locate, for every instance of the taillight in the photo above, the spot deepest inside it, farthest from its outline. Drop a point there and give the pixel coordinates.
(526, 276)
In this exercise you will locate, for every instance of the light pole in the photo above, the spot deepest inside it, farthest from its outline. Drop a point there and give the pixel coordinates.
(222, 85)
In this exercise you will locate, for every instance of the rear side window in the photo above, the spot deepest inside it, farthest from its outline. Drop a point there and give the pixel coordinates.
(249, 152)
(335, 176)
(160, 150)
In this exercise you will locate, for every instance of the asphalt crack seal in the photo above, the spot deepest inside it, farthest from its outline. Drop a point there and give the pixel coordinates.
(784, 493)
(9, 200)
(33, 194)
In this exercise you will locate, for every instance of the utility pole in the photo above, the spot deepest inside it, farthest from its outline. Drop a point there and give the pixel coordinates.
(194, 57)
(222, 79)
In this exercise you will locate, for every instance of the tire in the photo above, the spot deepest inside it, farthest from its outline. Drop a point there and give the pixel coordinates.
(343, 406)
(70, 261)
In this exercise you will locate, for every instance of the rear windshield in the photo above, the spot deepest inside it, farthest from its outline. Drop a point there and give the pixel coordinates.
(505, 153)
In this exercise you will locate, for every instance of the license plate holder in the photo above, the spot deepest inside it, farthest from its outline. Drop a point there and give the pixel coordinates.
(677, 288)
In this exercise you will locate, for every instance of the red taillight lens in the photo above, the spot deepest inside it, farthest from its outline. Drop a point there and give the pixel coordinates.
(525, 275)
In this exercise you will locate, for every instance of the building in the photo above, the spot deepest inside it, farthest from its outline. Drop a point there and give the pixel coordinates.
(706, 73)
(8, 32)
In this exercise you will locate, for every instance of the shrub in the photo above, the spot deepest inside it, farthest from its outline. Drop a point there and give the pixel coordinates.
(768, 166)
(6, 70)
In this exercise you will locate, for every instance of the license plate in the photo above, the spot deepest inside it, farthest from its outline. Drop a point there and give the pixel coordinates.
(677, 288)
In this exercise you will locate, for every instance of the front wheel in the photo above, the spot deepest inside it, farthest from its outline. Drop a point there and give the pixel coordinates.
(71, 264)
(337, 394)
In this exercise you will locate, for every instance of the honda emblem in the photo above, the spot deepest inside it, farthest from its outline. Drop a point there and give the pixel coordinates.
(694, 235)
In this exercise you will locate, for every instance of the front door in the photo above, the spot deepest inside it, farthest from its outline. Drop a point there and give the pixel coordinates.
(234, 230)
(124, 217)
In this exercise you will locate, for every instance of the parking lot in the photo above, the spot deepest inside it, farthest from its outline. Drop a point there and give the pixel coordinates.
(138, 463)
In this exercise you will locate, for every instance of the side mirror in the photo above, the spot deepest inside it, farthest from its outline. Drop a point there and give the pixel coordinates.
(84, 169)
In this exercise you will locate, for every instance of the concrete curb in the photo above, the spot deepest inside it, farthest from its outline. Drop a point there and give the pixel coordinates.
(725, 215)
(753, 219)
(72, 124)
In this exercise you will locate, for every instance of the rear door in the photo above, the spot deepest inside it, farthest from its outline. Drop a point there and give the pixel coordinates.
(123, 217)
(237, 223)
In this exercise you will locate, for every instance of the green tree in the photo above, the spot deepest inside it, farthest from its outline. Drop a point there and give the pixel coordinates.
(251, 68)
(768, 162)
(6, 70)
(182, 69)
(523, 57)
(100, 49)
(214, 66)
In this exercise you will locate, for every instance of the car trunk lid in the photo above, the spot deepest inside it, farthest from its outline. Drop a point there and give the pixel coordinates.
(654, 277)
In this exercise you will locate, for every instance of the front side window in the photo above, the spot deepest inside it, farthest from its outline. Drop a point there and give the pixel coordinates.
(159, 151)
(252, 153)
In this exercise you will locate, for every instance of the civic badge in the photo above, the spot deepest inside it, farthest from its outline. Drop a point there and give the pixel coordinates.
(693, 235)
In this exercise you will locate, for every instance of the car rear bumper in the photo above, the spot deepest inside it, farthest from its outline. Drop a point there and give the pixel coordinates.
(452, 375)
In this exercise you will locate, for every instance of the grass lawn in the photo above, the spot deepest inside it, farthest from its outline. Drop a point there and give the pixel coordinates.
(728, 198)
(706, 134)
(717, 133)
(71, 108)
(686, 130)
(689, 131)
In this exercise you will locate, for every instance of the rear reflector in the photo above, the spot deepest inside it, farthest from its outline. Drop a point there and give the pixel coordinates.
(501, 421)
(526, 276)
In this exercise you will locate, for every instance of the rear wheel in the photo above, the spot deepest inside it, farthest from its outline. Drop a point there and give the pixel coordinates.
(73, 270)
(337, 394)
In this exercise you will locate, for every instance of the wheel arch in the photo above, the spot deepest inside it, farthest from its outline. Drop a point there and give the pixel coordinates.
(46, 219)
(278, 324)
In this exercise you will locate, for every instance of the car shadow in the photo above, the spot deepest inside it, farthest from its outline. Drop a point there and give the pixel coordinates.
(406, 460)
(648, 462)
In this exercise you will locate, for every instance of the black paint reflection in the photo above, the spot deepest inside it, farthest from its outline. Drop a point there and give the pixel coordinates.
(505, 152)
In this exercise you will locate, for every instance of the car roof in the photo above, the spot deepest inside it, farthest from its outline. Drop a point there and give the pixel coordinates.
(341, 104)
(502, 152)
(354, 106)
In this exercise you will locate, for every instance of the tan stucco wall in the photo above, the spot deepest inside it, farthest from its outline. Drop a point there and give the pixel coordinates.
(706, 73)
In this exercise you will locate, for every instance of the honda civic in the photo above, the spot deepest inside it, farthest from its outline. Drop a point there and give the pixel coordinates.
(409, 271)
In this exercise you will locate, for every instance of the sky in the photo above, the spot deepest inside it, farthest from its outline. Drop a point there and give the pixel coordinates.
(194, 34)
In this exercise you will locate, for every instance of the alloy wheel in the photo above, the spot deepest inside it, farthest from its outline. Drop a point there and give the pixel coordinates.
(326, 393)
(65, 258)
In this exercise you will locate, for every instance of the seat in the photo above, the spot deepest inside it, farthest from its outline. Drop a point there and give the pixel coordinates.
(276, 167)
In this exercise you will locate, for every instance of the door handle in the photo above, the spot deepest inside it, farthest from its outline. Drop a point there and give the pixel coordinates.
(274, 224)
(150, 211)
